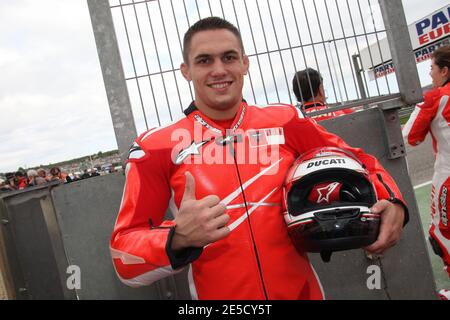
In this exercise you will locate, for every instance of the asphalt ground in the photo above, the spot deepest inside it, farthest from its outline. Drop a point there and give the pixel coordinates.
(420, 161)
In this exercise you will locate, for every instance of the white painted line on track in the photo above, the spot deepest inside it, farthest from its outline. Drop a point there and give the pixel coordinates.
(422, 184)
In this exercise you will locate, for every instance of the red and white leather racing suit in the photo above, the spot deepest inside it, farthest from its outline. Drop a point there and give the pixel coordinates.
(433, 116)
(246, 169)
(311, 106)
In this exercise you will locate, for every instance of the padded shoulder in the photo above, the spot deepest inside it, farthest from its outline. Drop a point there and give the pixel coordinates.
(165, 136)
(279, 113)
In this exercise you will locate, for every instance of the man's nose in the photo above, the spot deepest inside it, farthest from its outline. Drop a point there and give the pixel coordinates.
(218, 68)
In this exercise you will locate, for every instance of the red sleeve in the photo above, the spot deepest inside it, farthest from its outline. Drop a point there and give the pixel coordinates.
(138, 243)
(304, 135)
(418, 125)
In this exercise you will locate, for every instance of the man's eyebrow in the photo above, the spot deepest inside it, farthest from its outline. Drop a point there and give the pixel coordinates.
(206, 55)
(202, 55)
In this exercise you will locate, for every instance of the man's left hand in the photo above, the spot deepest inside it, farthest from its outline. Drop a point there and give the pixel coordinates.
(392, 217)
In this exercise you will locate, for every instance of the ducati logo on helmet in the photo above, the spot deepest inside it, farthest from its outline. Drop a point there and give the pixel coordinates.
(327, 198)
(325, 162)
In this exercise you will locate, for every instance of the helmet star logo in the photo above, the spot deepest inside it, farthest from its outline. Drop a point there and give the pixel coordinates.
(325, 192)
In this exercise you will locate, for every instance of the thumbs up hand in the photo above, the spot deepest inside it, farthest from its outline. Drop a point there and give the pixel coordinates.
(199, 222)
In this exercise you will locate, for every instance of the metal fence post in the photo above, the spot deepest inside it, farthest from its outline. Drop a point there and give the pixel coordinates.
(401, 50)
(113, 74)
(358, 70)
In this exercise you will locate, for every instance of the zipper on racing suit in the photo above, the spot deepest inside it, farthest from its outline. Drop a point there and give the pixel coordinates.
(232, 150)
(231, 139)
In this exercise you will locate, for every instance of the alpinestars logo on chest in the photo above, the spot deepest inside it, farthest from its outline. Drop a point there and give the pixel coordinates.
(194, 148)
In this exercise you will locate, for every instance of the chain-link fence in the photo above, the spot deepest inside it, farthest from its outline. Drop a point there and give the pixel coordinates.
(280, 37)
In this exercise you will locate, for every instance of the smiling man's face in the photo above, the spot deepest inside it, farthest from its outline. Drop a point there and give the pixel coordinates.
(216, 65)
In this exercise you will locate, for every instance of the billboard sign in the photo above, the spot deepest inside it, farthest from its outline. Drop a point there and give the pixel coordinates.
(427, 35)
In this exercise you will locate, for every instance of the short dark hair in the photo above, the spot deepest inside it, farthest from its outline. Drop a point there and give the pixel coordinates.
(210, 23)
(19, 174)
(306, 84)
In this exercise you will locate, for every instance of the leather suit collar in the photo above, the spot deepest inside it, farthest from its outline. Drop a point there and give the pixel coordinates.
(312, 104)
(197, 115)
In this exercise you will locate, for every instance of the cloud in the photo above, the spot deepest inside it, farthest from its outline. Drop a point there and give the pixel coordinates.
(53, 104)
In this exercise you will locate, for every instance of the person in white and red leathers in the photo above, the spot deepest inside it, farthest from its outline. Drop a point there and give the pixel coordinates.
(224, 187)
(433, 116)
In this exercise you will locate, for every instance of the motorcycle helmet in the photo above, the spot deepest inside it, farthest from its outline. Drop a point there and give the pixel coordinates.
(327, 198)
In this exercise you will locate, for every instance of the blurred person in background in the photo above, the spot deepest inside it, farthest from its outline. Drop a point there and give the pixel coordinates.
(10, 181)
(34, 179)
(4, 186)
(43, 174)
(20, 180)
(308, 89)
(56, 174)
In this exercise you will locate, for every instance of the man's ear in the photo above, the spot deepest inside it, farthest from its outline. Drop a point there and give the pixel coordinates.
(246, 62)
(322, 91)
(184, 68)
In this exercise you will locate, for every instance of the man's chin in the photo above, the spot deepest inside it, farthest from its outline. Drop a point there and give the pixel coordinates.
(223, 105)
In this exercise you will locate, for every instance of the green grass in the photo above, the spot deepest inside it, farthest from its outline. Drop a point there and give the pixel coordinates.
(404, 119)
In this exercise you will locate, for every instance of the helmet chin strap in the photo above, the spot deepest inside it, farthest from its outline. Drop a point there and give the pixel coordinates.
(326, 255)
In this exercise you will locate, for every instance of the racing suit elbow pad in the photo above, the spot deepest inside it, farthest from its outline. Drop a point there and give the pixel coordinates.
(392, 198)
(183, 257)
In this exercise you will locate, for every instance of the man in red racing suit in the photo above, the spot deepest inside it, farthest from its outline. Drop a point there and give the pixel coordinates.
(257, 259)
(221, 178)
